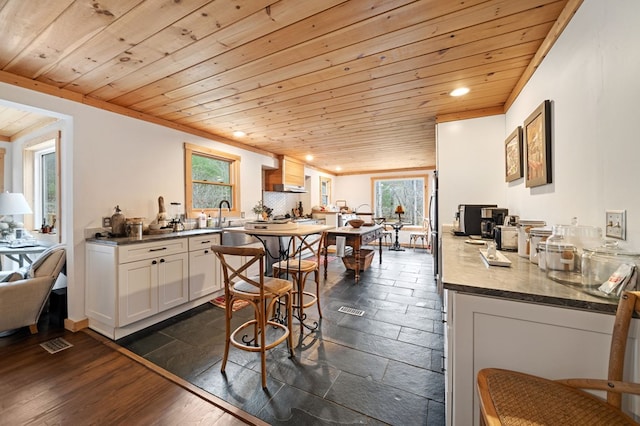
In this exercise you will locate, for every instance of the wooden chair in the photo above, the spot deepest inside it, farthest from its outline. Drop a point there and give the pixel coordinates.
(423, 235)
(386, 233)
(299, 270)
(262, 293)
(513, 398)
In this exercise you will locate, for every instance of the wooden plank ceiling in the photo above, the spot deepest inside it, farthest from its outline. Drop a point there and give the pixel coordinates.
(357, 84)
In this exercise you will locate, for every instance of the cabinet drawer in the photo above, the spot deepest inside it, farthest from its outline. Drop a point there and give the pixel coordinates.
(135, 252)
(203, 241)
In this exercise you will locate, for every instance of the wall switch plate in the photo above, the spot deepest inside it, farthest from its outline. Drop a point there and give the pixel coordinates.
(106, 222)
(616, 224)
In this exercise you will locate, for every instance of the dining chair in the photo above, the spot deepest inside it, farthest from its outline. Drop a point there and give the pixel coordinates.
(514, 398)
(262, 293)
(303, 260)
(386, 233)
(423, 235)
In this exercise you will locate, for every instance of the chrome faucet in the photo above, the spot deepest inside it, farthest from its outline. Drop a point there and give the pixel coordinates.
(220, 211)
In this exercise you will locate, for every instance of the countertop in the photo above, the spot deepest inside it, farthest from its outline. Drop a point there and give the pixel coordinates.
(464, 271)
(154, 237)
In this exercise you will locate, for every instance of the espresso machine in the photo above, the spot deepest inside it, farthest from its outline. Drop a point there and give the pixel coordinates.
(489, 218)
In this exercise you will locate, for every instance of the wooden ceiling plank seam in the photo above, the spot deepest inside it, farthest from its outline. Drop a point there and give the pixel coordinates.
(22, 21)
(236, 74)
(399, 91)
(150, 75)
(118, 41)
(310, 51)
(436, 56)
(320, 108)
(338, 119)
(172, 39)
(298, 95)
(74, 26)
(192, 78)
(448, 37)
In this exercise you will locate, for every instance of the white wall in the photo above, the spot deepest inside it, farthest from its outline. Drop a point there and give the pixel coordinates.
(110, 159)
(590, 75)
(470, 164)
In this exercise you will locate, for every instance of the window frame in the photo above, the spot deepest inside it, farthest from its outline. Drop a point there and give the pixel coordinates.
(234, 179)
(425, 188)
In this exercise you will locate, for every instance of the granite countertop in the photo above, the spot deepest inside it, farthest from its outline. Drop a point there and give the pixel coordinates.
(464, 271)
(153, 237)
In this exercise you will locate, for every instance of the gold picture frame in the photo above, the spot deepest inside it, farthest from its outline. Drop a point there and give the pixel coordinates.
(513, 155)
(537, 136)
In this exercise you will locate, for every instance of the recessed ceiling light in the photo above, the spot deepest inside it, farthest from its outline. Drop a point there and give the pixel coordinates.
(460, 91)
(309, 157)
(239, 134)
(338, 168)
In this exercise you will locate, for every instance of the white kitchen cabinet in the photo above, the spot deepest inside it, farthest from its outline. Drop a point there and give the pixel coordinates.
(205, 274)
(152, 285)
(552, 342)
(135, 285)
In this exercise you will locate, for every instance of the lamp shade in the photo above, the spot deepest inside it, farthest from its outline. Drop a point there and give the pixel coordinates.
(399, 210)
(13, 203)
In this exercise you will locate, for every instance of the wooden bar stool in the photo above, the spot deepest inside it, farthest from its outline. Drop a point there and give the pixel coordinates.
(299, 269)
(262, 293)
(512, 398)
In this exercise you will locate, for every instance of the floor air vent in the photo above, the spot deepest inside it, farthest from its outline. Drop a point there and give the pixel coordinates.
(351, 311)
(56, 345)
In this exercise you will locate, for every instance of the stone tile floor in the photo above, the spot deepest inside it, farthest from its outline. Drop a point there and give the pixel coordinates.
(384, 367)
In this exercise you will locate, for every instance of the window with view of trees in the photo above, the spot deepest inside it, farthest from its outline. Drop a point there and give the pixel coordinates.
(406, 191)
(211, 177)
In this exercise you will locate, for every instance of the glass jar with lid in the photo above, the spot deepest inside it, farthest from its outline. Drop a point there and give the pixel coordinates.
(564, 250)
(599, 264)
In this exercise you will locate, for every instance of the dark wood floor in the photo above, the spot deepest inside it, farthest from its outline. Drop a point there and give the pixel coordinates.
(95, 382)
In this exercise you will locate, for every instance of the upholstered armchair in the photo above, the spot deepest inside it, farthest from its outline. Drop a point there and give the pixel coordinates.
(24, 294)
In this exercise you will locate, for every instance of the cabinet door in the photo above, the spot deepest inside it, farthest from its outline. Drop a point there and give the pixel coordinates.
(137, 291)
(173, 280)
(204, 273)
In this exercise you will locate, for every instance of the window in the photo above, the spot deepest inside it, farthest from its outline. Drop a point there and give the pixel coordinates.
(406, 191)
(46, 186)
(210, 177)
(325, 191)
(41, 185)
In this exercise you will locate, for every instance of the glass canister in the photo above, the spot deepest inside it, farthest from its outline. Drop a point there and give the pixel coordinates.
(524, 227)
(601, 264)
(564, 248)
(536, 236)
(541, 249)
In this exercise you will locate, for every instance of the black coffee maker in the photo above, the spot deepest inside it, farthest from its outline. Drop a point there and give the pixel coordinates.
(489, 218)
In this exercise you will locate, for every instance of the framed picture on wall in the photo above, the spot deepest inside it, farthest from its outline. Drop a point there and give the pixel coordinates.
(537, 137)
(513, 155)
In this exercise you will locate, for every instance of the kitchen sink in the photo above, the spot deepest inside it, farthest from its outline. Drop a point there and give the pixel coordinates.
(237, 239)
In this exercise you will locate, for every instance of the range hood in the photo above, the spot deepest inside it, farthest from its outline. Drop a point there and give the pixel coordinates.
(279, 187)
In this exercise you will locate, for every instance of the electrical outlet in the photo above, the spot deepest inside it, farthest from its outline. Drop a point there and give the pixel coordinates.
(616, 224)
(106, 222)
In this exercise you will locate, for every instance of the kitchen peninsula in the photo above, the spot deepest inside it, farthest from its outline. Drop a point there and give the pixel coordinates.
(516, 318)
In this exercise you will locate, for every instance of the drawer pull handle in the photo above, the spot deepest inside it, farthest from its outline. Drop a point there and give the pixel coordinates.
(154, 262)
(161, 260)
(206, 252)
(158, 249)
(205, 242)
